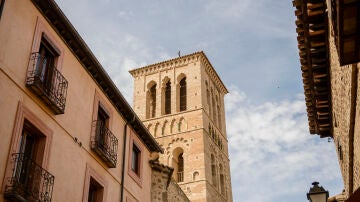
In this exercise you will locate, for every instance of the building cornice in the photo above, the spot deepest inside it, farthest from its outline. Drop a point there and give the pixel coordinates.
(313, 44)
(179, 62)
(57, 19)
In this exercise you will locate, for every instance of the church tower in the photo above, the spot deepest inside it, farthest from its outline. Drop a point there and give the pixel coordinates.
(181, 102)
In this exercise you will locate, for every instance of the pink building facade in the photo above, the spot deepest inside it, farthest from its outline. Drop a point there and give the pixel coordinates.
(67, 133)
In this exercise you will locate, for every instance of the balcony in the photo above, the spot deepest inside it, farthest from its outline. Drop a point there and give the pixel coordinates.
(104, 143)
(47, 83)
(29, 181)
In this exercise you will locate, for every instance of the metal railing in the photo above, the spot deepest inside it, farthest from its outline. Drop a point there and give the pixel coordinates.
(104, 143)
(47, 82)
(29, 181)
(180, 176)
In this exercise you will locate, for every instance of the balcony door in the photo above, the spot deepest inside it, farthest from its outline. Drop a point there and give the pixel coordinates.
(46, 64)
(28, 160)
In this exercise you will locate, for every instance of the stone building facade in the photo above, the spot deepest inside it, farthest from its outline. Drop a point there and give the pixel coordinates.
(329, 49)
(181, 102)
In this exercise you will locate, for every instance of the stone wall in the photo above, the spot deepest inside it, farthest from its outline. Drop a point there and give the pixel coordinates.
(341, 84)
(163, 187)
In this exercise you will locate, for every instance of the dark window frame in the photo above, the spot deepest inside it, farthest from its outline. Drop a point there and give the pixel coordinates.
(183, 94)
(167, 95)
(152, 101)
(2, 3)
(96, 191)
(97, 182)
(135, 159)
(136, 176)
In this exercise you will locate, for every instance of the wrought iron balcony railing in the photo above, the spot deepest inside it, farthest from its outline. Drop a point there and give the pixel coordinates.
(47, 82)
(29, 181)
(180, 176)
(104, 143)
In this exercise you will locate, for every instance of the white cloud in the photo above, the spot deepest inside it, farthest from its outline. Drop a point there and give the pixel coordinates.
(270, 146)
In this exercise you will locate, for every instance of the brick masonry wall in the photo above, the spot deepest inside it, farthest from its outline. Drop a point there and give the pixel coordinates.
(341, 102)
(357, 135)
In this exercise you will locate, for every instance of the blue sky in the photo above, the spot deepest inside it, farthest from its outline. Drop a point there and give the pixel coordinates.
(252, 45)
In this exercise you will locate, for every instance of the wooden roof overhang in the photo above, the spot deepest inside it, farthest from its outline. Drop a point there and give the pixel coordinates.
(312, 30)
(57, 19)
(345, 16)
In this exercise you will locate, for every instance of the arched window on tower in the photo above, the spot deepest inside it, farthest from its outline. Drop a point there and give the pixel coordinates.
(151, 101)
(219, 117)
(180, 168)
(183, 94)
(213, 170)
(178, 164)
(222, 180)
(214, 109)
(168, 98)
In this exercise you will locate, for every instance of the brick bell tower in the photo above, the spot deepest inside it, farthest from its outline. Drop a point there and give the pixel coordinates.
(181, 102)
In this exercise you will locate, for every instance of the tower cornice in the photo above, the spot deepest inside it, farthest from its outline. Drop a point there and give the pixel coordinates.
(182, 61)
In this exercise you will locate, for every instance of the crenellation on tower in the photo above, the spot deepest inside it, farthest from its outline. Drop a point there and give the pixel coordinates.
(181, 102)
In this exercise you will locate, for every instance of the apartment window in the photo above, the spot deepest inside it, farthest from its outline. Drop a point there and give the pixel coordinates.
(43, 76)
(26, 171)
(135, 159)
(102, 119)
(103, 142)
(94, 187)
(183, 94)
(95, 191)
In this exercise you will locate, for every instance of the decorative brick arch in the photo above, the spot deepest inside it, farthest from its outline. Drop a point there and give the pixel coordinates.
(182, 125)
(173, 126)
(175, 143)
(157, 129)
(150, 128)
(165, 128)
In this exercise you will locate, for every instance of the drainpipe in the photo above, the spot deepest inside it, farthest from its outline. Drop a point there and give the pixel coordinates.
(354, 87)
(123, 160)
(1, 7)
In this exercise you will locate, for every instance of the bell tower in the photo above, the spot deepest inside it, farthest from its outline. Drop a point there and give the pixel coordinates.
(181, 102)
